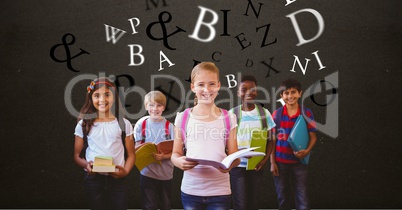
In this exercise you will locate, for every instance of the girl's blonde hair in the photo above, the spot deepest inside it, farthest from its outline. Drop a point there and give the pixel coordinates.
(206, 66)
(155, 96)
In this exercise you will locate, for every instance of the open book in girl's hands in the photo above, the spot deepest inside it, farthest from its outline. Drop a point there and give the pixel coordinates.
(227, 161)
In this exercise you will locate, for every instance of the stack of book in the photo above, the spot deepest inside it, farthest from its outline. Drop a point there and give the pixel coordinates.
(103, 164)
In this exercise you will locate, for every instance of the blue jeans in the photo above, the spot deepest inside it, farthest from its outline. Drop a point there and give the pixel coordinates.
(152, 189)
(192, 202)
(292, 175)
(106, 192)
(246, 186)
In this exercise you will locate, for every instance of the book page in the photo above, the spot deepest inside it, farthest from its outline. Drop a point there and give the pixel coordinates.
(213, 163)
(227, 161)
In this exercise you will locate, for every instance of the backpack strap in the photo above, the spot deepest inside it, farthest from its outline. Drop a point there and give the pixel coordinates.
(167, 132)
(263, 117)
(237, 112)
(85, 138)
(183, 126)
(277, 120)
(278, 117)
(122, 125)
(227, 124)
(143, 130)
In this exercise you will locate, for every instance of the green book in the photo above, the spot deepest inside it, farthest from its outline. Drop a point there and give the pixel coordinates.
(258, 139)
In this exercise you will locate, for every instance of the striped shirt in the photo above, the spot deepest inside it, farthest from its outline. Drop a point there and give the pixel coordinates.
(283, 151)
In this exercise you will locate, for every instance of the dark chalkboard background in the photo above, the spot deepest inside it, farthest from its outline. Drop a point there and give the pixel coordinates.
(357, 166)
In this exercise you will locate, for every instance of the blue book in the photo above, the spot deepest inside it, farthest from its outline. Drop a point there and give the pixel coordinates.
(298, 138)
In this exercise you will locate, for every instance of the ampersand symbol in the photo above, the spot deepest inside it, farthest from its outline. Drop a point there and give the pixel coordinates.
(165, 35)
(67, 49)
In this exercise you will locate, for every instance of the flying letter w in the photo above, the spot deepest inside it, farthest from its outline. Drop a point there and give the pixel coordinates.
(114, 31)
